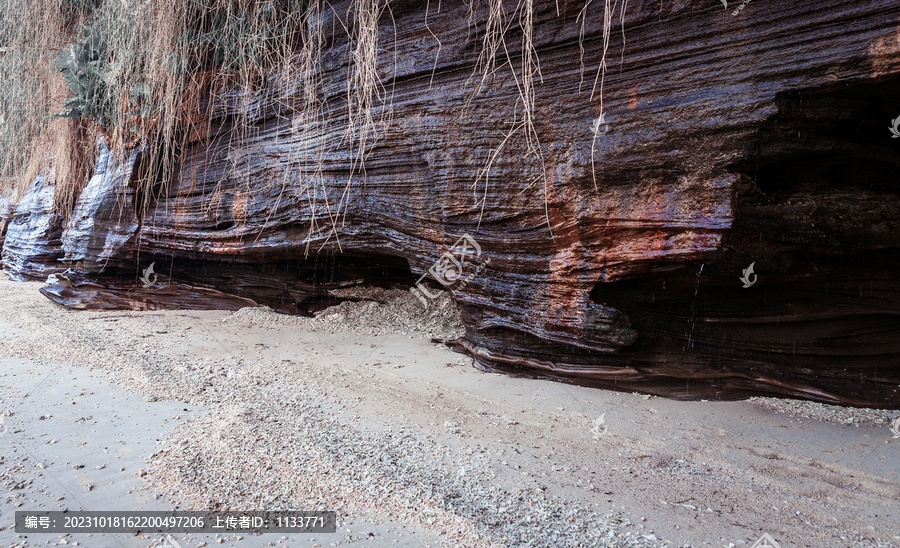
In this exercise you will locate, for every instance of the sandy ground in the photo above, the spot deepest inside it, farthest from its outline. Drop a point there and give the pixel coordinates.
(358, 411)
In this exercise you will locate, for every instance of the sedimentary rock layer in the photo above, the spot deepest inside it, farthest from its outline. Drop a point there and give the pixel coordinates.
(613, 256)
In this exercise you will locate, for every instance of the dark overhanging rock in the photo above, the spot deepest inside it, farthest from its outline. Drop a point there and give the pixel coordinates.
(730, 141)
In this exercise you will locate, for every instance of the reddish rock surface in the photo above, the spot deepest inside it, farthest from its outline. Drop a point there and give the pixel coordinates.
(757, 138)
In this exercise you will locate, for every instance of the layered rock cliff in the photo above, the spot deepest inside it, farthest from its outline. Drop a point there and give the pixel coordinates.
(616, 256)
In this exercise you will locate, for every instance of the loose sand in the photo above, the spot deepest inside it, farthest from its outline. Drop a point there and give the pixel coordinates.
(358, 411)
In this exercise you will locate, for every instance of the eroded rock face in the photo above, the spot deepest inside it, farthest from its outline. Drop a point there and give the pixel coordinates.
(104, 222)
(6, 209)
(32, 247)
(614, 258)
(155, 292)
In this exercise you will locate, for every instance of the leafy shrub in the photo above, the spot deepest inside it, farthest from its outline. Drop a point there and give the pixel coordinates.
(220, 38)
(85, 67)
(91, 74)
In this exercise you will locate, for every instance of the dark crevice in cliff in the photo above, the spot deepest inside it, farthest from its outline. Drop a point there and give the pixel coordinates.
(301, 286)
(817, 213)
(816, 210)
(297, 286)
(821, 175)
(826, 139)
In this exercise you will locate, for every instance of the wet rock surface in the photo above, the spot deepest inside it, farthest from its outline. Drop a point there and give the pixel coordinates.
(615, 257)
(32, 247)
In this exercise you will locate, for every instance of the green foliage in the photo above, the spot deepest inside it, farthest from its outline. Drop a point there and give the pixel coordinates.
(86, 68)
(92, 76)
(220, 39)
